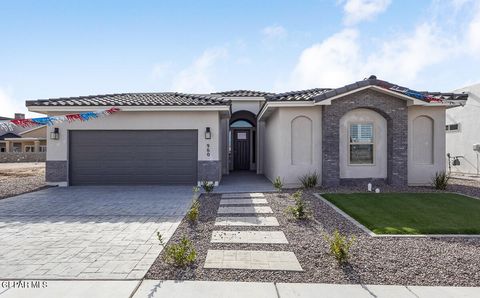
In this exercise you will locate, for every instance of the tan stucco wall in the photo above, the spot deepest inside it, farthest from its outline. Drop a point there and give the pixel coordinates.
(41, 132)
(379, 168)
(421, 173)
(282, 157)
(58, 149)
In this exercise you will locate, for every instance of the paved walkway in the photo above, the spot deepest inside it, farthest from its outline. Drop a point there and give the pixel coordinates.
(238, 181)
(219, 289)
(255, 205)
(87, 232)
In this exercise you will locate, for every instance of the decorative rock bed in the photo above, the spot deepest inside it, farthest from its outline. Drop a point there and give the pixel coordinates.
(405, 261)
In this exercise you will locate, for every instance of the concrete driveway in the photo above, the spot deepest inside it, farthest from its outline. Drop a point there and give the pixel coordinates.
(106, 232)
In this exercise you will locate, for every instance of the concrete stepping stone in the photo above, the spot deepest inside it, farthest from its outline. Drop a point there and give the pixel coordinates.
(243, 201)
(243, 195)
(252, 260)
(247, 221)
(263, 237)
(244, 210)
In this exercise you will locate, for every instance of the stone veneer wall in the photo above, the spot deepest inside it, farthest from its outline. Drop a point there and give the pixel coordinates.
(393, 109)
(209, 170)
(22, 157)
(56, 171)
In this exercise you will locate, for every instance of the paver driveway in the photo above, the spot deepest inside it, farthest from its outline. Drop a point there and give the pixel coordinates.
(106, 232)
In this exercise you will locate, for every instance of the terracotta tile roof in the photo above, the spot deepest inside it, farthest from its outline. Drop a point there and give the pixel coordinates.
(134, 99)
(301, 95)
(319, 94)
(243, 93)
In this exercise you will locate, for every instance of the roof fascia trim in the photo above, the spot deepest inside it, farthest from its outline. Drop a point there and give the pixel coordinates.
(46, 109)
(270, 104)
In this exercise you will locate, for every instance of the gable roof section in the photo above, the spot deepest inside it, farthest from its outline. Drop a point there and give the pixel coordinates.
(373, 81)
(8, 135)
(243, 93)
(321, 94)
(133, 99)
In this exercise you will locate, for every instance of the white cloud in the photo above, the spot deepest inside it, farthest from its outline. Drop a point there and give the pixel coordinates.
(473, 33)
(339, 60)
(403, 58)
(197, 77)
(332, 62)
(274, 32)
(363, 10)
(8, 105)
(161, 70)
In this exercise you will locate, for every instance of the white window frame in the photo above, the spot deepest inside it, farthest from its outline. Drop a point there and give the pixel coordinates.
(42, 148)
(349, 144)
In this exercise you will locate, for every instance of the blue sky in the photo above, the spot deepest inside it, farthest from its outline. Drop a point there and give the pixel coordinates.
(70, 48)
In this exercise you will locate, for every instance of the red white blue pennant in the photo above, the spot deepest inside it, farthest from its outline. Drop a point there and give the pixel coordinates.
(9, 125)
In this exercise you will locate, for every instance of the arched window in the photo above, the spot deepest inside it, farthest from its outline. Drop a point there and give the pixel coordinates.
(241, 124)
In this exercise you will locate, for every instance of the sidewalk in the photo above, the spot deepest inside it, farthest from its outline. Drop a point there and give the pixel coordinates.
(219, 289)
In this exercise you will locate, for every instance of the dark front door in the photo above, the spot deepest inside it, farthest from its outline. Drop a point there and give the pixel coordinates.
(241, 149)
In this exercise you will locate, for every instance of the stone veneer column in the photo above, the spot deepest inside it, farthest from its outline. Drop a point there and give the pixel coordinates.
(56, 171)
(392, 108)
(209, 170)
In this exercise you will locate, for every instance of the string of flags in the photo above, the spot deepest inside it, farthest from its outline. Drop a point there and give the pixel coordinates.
(411, 93)
(9, 125)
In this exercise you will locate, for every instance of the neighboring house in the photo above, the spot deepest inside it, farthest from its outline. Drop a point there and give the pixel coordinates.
(23, 140)
(32, 140)
(357, 133)
(463, 133)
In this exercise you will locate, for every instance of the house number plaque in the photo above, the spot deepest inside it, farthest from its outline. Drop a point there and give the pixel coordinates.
(208, 150)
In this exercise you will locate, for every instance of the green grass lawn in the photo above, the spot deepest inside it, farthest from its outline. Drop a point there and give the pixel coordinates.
(411, 213)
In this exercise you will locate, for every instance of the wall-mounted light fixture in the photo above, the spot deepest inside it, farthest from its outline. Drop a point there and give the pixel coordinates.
(208, 133)
(55, 134)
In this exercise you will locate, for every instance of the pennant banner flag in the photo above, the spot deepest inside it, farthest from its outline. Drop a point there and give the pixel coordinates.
(9, 125)
(411, 93)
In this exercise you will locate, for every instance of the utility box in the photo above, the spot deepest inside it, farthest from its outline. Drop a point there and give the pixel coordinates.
(476, 147)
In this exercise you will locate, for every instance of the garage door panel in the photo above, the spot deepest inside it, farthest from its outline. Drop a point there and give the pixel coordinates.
(133, 157)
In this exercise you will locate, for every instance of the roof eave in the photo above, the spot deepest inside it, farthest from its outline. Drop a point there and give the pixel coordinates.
(48, 109)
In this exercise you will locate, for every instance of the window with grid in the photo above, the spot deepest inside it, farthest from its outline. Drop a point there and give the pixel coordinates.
(361, 143)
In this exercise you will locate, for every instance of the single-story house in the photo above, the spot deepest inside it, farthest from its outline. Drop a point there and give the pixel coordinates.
(32, 140)
(23, 140)
(368, 130)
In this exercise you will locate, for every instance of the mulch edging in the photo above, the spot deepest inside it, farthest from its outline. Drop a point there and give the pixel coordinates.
(404, 261)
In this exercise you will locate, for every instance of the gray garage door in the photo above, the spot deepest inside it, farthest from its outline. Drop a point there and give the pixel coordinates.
(133, 157)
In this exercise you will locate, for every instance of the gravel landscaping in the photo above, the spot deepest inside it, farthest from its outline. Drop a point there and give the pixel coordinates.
(18, 178)
(405, 261)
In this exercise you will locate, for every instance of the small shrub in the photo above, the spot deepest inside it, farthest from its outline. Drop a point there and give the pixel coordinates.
(309, 180)
(440, 180)
(208, 186)
(278, 184)
(179, 254)
(339, 246)
(196, 190)
(194, 211)
(300, 210)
